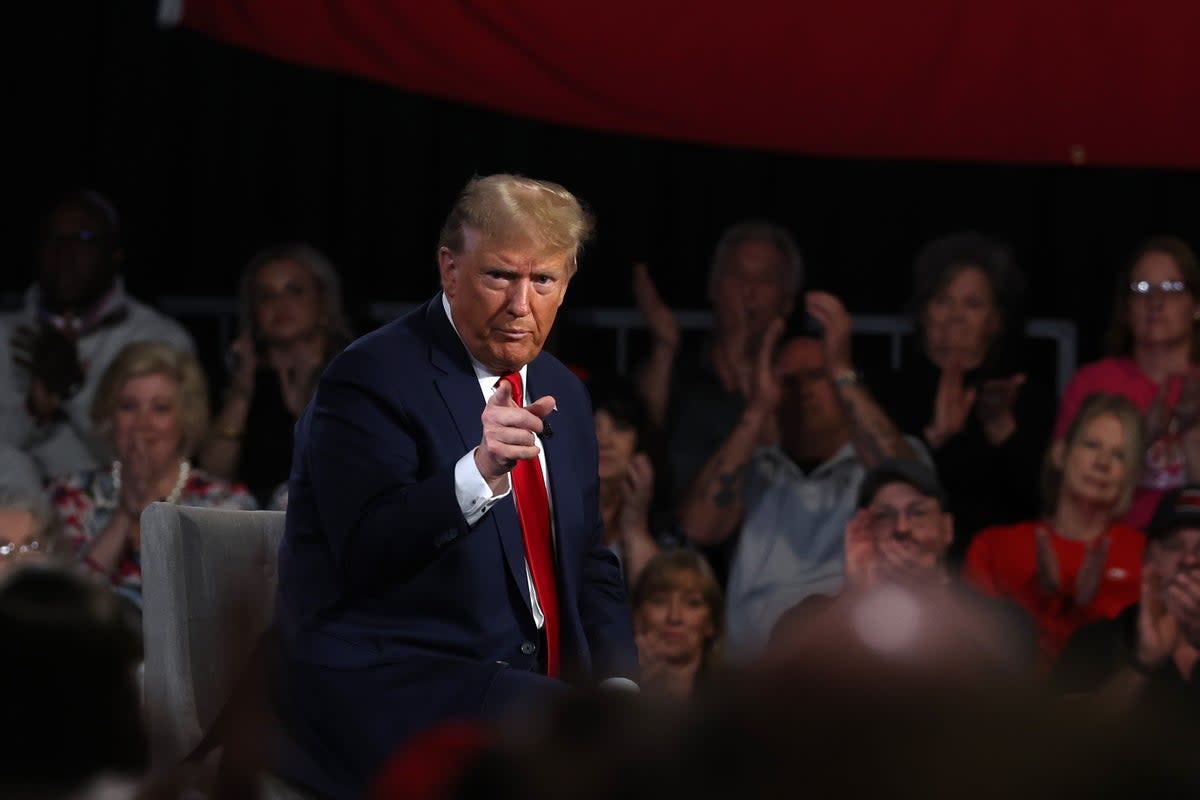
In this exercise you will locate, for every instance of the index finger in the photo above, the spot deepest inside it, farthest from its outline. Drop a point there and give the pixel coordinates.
(502, 396)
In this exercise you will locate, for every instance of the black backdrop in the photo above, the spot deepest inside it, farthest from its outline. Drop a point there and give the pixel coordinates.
(211, 152)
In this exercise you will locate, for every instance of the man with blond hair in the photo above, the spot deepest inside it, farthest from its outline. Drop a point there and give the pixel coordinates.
(443, 555)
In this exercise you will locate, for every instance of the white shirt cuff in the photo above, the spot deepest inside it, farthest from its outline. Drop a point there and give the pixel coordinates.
(474, 495)
(620, 685)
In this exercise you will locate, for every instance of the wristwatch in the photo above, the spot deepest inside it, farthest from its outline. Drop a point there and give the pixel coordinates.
(847, 377)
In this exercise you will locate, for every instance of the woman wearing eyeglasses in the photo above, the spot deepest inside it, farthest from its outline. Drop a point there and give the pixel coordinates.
(1154, 344)
(1078, 564)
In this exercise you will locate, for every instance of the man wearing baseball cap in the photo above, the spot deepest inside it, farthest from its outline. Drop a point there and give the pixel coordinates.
(898, 540)
(1145, 658)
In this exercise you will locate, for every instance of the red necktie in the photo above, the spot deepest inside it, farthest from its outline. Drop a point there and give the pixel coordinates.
(533, 508)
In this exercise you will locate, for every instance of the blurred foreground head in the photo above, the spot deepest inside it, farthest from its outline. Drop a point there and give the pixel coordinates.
(853, 710)
(71, 705)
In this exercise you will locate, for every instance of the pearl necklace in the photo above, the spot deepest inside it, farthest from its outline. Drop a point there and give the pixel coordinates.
(185, 469)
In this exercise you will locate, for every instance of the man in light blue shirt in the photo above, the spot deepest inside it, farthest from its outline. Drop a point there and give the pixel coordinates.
(787, 476)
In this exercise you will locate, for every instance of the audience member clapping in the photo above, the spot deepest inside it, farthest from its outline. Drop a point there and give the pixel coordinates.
(152, 406)
(678, 621)
(626, 442)
(1145, 659)
(1154, 342)
(1078, 564)
(897, 542)
(292, 324)
(76, 318)
(755, 277)
(29, 528)
(964, 389)
(785, 480)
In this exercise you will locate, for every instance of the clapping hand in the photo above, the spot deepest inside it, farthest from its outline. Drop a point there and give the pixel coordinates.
(56, 372)
(637, 490)
(138, 481)
(951, 405)
(994, 405)
(729, 356)
(664, 328)
(862, 556)
(1157, 628)
(1182, 600)
(764, 391)
(836, 328)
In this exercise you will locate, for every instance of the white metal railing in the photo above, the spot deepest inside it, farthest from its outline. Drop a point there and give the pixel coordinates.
(625, 320)
(622, 321)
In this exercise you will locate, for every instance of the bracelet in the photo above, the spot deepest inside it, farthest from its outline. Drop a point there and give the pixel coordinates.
(847, 377)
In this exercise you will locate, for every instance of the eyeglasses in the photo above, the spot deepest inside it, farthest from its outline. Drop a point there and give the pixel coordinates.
(14, 550)
(885, 518)
(1146, 288)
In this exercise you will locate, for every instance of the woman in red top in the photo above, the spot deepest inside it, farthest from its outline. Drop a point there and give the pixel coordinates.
(1078, 564)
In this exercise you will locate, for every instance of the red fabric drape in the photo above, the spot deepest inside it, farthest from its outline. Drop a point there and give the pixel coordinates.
(1065, 81)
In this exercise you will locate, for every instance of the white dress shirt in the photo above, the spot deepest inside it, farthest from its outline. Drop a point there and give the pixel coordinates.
(474, 495)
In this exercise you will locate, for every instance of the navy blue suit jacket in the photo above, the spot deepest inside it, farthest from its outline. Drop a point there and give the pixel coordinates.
(392, 613)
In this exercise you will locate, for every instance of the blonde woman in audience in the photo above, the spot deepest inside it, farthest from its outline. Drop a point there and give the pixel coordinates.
(1079, 563)
(152, 408)
(292, 324)
(678, 621)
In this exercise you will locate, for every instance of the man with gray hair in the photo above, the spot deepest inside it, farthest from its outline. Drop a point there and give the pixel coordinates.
(755, 276)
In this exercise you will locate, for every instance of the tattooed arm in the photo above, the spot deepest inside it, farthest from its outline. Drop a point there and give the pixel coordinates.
(714, 505)
(873, 434)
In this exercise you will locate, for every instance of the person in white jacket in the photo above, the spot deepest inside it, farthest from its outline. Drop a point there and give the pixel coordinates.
(75, 319)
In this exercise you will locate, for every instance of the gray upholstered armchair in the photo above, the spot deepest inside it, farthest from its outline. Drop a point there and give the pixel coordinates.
(208, 591)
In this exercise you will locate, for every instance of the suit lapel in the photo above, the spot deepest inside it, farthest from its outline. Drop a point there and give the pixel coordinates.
(459, 389)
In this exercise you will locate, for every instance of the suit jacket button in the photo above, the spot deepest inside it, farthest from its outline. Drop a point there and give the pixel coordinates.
(529, 648)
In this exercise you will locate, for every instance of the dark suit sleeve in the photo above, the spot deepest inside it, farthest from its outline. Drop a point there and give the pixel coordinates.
(605, 615)
(603, 606)
(385, 511)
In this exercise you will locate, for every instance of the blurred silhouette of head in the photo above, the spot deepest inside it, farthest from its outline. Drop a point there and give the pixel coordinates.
(72, 707)
(79, 251)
